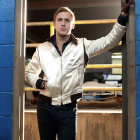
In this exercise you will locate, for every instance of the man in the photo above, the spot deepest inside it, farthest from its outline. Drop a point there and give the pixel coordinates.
(62, 59)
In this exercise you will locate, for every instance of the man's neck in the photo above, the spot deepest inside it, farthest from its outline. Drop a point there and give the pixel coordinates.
(60, 40)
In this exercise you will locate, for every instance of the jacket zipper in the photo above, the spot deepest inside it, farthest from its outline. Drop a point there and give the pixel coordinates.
(61, 75)
(62, 71)
(61, 78)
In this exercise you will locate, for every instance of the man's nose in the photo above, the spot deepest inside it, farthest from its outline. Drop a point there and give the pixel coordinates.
(63, 22)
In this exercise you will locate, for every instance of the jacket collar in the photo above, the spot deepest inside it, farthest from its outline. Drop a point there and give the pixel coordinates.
(73, 38)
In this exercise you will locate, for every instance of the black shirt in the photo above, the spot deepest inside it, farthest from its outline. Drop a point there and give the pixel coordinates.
(53, 41)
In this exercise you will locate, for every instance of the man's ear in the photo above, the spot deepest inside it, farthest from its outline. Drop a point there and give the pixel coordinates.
(53, 24)
(73, 26)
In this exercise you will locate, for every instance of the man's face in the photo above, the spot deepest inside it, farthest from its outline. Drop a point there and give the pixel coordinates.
(63, 23)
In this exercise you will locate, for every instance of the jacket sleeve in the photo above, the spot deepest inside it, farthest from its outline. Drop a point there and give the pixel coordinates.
(33, 70)
(106, 43)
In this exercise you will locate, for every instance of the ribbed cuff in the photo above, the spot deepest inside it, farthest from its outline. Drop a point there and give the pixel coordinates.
(39, 84)
(122, 20)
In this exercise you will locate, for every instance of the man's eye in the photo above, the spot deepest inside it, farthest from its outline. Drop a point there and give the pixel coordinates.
(59, 19)
(67, 20)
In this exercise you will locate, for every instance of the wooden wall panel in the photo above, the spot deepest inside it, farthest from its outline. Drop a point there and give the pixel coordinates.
(99, 126)
(31, 127)
(91, 126)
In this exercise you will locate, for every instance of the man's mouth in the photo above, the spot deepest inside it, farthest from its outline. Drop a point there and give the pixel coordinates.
(62, 29)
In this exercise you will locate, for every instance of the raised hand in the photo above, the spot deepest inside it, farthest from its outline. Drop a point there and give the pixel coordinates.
(125, 7)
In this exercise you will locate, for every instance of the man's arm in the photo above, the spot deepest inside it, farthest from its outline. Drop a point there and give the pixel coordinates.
(111, 40)
(32, 72)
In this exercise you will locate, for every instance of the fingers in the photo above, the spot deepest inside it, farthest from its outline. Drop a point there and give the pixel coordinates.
(123, 4)
(126, 6)
(129, 3)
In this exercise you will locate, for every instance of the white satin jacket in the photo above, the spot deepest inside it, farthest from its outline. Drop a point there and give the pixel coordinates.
(64, 73)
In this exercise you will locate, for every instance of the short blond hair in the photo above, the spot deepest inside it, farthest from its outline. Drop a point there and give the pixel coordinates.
(64, 9)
